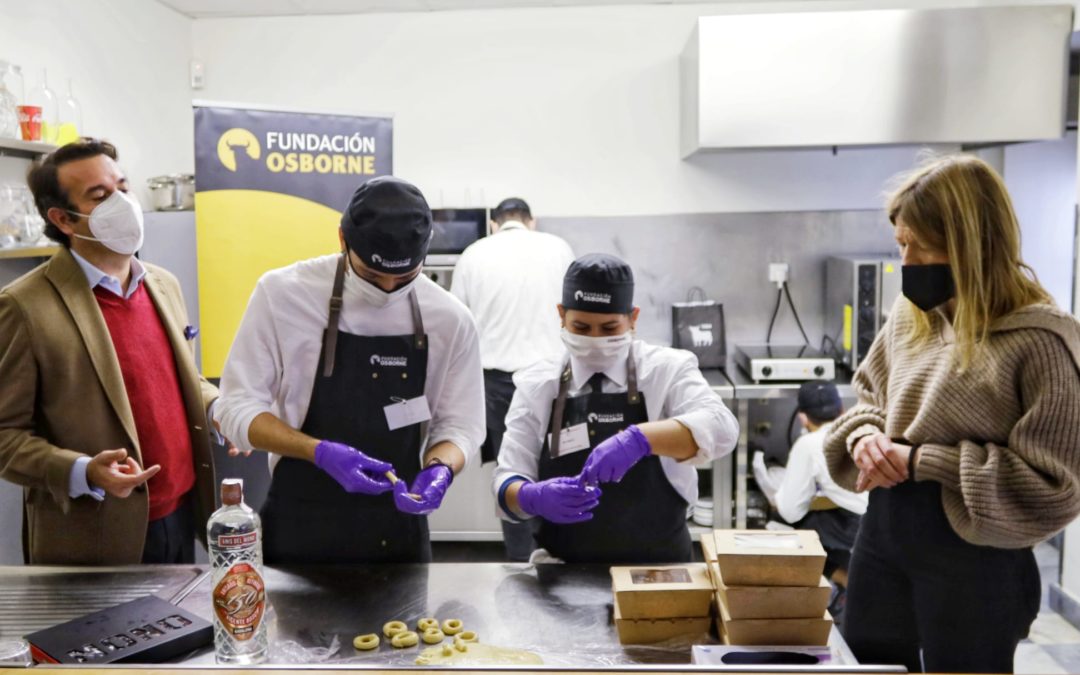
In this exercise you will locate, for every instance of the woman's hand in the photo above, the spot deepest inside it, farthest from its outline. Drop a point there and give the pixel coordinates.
(881, 462)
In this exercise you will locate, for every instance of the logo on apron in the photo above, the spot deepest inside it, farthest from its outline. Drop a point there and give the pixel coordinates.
(389, 361)
(605, 418)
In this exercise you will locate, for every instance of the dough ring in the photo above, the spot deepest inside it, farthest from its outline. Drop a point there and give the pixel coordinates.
(451, 626)
(468, 636)
(366, 642)
(406, 639)
(424, 625)
(392, 628)
(433, 636)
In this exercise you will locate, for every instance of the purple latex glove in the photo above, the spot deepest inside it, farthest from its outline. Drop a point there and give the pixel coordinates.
(559, 500)
(610, 461)
(355, 471)
(430, 485)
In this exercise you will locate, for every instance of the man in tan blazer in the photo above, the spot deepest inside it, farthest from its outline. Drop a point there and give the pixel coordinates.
(98, 379)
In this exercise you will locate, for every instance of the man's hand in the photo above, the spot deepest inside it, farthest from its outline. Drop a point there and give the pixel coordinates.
(116, 473)
(233, 450)
(881, 462)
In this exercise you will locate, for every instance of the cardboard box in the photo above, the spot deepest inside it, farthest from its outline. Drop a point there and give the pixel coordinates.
(650, 631)
(765, 558)
(662, 591)
(801, 632)
(708, 547)
(771, 602)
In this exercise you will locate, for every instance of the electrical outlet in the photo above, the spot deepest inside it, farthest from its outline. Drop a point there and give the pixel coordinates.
(778, 273)
(198, 74)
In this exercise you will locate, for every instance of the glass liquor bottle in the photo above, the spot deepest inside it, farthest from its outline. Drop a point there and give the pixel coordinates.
(239, 594)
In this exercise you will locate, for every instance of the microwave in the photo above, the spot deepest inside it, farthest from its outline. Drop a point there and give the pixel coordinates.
(859, 294)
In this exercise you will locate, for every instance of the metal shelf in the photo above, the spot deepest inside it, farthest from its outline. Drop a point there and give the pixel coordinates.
(13, 147)
(28, 252)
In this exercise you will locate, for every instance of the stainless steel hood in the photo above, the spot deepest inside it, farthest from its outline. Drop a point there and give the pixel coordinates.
(880, 77)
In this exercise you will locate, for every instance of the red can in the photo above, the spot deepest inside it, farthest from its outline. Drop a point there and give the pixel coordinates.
(30, 122)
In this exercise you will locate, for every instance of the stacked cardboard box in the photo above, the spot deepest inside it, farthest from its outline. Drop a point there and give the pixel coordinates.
(769, 588)
(657, 603)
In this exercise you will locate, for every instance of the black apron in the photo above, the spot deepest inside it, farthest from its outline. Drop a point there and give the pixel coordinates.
(641, 519)
(308, 517)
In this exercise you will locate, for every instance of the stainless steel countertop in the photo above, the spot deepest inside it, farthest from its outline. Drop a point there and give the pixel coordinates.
(561, 612)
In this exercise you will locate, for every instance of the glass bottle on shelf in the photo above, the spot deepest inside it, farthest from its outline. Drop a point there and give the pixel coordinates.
(10, 95)
(43, 97)
(70, 118)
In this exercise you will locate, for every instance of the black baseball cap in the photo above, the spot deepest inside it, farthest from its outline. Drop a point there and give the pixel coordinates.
(599, 283)
(388, 224)
(820, 400)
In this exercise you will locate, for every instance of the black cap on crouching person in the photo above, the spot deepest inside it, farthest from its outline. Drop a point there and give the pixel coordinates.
(820, 401)
(599, 283)
(388, 224)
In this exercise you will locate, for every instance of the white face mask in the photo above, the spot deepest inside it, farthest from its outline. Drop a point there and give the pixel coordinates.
(377, 297)
(598, 353)
(116, 223)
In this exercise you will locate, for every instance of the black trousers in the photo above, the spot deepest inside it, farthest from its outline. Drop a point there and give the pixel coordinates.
(171, 540)
(518, 538)
(837, 529)
(917, 589)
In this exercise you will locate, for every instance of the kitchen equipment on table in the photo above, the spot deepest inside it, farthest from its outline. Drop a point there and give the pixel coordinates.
(172, 192)
(859, 293)
(43, 98)
(784, 363)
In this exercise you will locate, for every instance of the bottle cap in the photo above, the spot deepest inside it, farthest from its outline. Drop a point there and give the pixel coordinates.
(232, 491)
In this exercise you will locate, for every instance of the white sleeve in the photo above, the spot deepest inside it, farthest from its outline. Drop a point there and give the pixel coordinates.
(768, 478)
(693, 403)
(458, 414)
(522, 442)
(251, 378)
(799, 487)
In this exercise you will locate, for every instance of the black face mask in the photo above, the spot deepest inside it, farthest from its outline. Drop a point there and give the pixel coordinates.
(927, 286)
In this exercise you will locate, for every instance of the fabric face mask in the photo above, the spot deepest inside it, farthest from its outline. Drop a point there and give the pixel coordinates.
(116, 223)
(598, 353)
(377, 297)
(927, 286)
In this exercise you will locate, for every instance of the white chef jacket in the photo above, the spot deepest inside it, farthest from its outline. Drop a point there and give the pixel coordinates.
(512, 283)
(673, 388)
(273, 360)
(806, 476)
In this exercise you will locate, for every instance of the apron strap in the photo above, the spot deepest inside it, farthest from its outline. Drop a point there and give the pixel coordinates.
(557, 413)
(417, 319)
(631, 377)
(330, 340)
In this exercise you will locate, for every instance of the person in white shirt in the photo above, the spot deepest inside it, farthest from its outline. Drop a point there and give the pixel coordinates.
(631, 421)
(364, 376)
(511, 282)
(804, 494)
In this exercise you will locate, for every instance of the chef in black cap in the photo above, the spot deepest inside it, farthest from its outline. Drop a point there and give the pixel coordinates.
(363, 377)
(602, 443)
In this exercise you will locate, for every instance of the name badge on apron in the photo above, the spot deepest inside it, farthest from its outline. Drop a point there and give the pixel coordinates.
(404, 413)
(572, 439)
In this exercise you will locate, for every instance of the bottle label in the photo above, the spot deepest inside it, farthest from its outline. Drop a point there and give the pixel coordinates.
(237, 540)
(239, 601)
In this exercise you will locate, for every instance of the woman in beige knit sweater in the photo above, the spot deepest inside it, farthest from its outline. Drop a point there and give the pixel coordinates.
(966, 433)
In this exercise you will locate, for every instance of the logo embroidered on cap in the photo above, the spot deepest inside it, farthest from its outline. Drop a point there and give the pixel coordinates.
(379, 260)
(389, 361)
(589, 296)
(609, 418)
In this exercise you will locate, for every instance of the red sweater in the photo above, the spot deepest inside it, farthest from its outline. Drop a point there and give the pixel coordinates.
(153, 389)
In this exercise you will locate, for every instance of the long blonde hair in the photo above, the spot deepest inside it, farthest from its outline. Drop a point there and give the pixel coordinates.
(958, 204)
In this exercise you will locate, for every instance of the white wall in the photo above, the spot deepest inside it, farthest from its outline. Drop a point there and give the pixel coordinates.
(575, 109)
(128, 60)
(1042, 181)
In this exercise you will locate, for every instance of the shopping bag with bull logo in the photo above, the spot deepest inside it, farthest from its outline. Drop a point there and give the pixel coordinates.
(697, 325)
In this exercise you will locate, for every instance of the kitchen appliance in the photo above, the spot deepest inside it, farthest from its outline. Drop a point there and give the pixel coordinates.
(783, 363)
(453, 230)
(859, 294)
(174, 192)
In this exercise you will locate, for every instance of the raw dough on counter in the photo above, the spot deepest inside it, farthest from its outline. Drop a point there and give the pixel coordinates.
(392, 628)
(452, 626)
(467, 636)
(366, 642)
(477, 654)
(424, 625)
(406, 639)
(433, 636)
